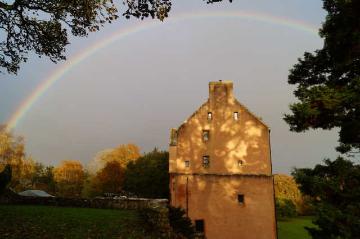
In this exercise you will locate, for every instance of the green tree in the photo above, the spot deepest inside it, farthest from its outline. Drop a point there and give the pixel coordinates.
(335, 190)
(328, 80)
(328, 89)
(148, 176)
(42, 26)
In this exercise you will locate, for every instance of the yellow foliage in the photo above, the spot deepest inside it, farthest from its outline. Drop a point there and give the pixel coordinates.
(123, 154)
(110, 178)
(12, 152)
(69, 177)
(286, 188)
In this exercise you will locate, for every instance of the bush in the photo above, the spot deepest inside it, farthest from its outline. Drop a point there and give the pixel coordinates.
(285, 208)
(180, 224)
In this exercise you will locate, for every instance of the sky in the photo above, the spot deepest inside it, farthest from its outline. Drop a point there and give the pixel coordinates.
(137, 86)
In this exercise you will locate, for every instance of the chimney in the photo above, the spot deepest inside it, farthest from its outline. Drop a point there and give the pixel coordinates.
(220, 92)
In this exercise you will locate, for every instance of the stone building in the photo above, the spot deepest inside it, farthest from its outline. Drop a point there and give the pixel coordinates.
(220, 169)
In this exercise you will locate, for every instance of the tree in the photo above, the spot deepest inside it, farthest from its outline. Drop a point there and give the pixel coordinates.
(148, 176)
(41, 26)
(181, 225)
(328, 80)
(69, 178)
(5, 178)
(12, 152)
(43, 178)
(287, 193)
(335, 190)
(110, 178)
(123, 154)
(328, 90)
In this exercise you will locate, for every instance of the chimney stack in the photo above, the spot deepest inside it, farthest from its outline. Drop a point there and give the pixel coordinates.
(220, 92)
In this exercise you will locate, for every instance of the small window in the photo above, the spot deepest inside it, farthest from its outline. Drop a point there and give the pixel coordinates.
(206, 161)
(240, 163)
(236, 115)
(173, 137)
(241, 199)
(209, 116)
(199, 225)
(206, 135)
(187, 163)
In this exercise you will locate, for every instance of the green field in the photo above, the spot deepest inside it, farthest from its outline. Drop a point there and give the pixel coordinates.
(60, 222)
(294, 228)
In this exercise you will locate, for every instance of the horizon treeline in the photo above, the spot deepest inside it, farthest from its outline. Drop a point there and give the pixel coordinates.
(106, 173)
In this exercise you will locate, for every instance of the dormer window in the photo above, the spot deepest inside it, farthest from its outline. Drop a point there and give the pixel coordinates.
(206, 135)
(209, 116)
(206, 161)
(236, 115)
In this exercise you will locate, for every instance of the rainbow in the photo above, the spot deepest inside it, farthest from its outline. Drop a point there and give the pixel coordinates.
(75, 60)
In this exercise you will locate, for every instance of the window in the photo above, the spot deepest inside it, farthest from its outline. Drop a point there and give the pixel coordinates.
(240, 163)
(209, 116)
(173, 137)
(241, 199)
(206, 135)
(199, 225)
(236, 115)
(187, 163)
(206, 161)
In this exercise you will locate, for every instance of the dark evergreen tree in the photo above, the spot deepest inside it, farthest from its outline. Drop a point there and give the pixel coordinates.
(328, 89)
(335, 190)
(328, 80)
(148, 176)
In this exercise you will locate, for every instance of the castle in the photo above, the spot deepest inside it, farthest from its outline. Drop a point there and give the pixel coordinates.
(220, 169)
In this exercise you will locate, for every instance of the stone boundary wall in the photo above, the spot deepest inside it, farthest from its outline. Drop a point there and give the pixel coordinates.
(128, 203)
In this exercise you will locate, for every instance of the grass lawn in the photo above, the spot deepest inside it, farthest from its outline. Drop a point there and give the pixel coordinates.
(294, 228)
(28, 222)
(61, 222)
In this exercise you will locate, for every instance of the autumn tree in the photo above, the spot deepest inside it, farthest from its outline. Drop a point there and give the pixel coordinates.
(287, 192)
(123, 154)
(69, 178)
(148, 176)
(12, 152)
(328, 92)
(110, 178)
(43, 178)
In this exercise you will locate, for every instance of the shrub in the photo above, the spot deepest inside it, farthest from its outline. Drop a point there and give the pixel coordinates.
(285, 208)
(180, 224)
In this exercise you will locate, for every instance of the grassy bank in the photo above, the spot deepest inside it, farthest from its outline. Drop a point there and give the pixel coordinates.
(294, 228)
